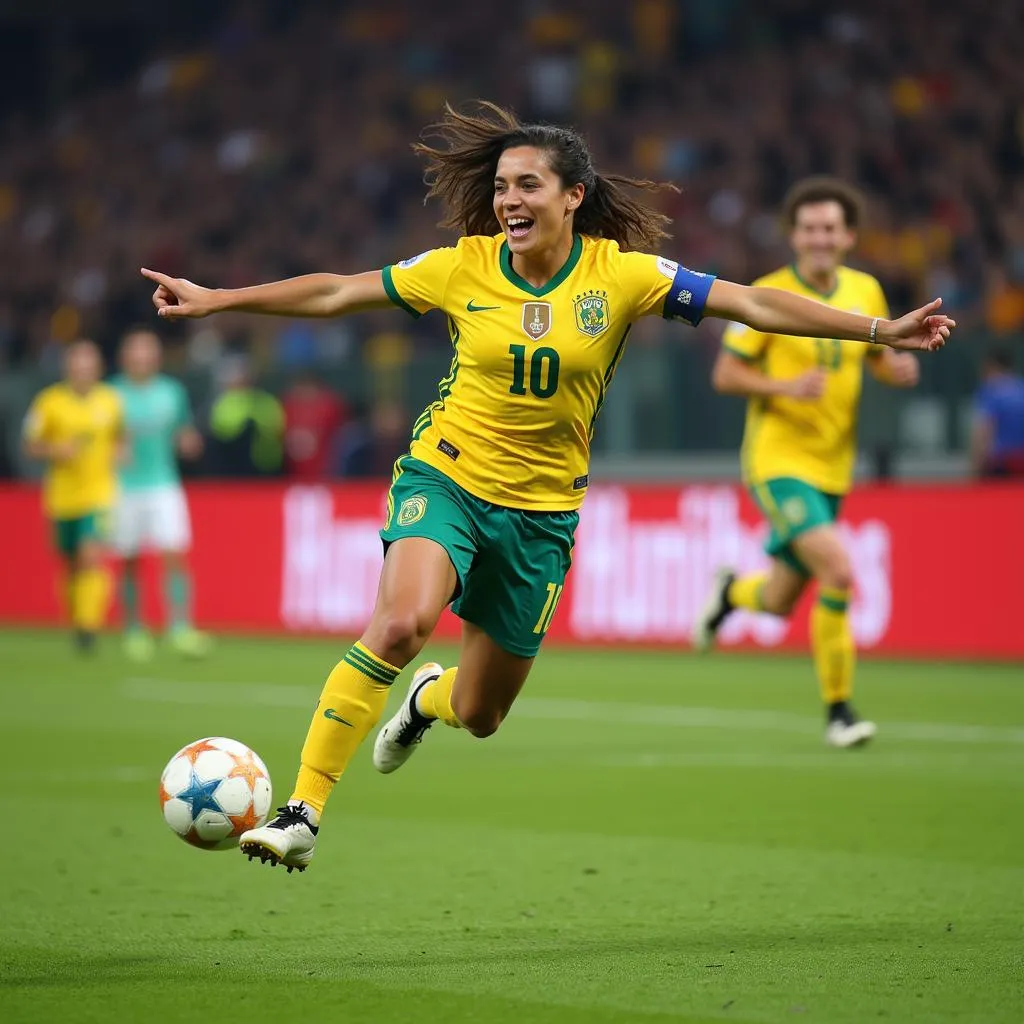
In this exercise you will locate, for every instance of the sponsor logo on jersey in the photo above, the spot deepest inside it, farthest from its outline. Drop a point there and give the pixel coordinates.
(412, 510)
(472, 307)
(448, 448)
(413, 260)
(536, 319)
(667, 267)
(580, 482)
(591, 313)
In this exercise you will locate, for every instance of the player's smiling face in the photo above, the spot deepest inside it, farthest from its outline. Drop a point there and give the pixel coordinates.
(820, 237)
(533, 205)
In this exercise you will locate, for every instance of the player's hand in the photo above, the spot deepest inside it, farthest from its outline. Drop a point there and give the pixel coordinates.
(177, 297)
(64, 451)
(190, 443)
(904, 370)
(924, 329)
(808, 385)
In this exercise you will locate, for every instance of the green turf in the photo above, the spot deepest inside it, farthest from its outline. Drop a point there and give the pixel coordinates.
(649, 838)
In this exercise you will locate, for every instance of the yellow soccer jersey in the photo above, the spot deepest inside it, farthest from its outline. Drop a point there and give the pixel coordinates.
(86, 482)
(811, 440)
(515, 415)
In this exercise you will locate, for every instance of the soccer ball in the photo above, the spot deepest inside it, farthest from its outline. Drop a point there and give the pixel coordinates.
(213, 790)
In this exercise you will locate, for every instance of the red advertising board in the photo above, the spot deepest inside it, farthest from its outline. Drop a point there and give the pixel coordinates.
(937, 567)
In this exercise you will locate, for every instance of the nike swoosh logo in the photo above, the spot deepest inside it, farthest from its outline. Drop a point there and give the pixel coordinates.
(479, 309)
(335, 717)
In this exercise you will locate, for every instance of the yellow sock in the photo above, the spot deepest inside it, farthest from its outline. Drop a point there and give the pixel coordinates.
(746, 592)
(832, 644)
(90, 595)
(435, 699)
(350, 705)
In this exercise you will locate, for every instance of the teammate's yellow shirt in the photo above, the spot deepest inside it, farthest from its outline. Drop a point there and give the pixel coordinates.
(516, 413)
(812, 440)
(86, 482)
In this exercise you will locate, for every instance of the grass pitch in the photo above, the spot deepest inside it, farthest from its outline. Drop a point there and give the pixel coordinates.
(649, 838)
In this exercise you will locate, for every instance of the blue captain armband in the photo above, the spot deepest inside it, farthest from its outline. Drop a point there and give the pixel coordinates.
(687, 295)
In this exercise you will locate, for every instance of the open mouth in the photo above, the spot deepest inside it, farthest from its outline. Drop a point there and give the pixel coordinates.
(518, 227)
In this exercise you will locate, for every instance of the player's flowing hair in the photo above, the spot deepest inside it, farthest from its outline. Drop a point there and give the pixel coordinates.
(461, 168)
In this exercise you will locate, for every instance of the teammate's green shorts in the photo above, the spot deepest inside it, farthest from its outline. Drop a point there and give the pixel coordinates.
(70, 534)
(793, 507)
(511, 563)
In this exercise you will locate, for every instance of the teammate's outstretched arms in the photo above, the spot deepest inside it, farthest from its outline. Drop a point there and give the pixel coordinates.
(774, 311)
(314, 295)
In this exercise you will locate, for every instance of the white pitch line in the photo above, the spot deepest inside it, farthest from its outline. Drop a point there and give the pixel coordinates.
(177, 691)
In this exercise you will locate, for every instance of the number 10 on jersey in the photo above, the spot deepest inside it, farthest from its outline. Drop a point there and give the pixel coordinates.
(543, 371)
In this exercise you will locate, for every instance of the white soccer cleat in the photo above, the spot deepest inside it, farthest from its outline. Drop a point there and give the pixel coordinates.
(849, 734)
(398, 739)
(290, 839)
(714, 612)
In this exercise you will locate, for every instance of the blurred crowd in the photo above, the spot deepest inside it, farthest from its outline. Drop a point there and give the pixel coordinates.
(309, 433)
(278, 143)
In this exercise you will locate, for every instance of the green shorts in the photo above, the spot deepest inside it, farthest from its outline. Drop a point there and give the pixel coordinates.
(792, 507)
(511, 563)
(70, 534)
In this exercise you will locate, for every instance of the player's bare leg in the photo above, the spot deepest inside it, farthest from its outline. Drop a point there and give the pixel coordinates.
(776, 593)
(824, 554)
(416, 583)
(475, 696)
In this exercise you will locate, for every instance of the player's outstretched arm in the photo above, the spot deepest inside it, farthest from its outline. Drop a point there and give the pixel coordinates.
(774, 311)
(314, 295)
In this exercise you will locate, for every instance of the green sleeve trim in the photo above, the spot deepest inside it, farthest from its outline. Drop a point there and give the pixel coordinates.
(389, 287)
(745, 356)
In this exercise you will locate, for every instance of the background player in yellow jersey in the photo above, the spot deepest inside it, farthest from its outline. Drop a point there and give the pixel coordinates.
(75, 426)
(539, 296)
(800, 443)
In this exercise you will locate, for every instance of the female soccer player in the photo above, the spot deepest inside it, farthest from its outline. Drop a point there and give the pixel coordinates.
(539, 293)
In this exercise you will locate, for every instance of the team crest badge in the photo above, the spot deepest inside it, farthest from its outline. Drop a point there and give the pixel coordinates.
(794, 511)
(592, 313)
(412, 510)
(536, 319)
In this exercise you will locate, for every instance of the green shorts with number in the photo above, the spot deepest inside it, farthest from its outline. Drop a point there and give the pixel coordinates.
(70, 534)
(793, 507)
(511, 563)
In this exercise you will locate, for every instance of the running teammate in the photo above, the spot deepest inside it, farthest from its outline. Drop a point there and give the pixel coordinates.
(539, 295)
(75, 427)
(151, 512)
(800, 441)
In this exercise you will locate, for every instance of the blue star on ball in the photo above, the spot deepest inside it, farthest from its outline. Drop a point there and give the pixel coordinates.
(199, 795)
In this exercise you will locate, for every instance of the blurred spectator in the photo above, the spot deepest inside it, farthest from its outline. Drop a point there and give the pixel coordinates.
(997, 439)
(246, 425)
(368, 446)
(313, 415)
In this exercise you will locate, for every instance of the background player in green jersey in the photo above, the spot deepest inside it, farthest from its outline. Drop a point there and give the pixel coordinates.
(545, 246)
(151, 512)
